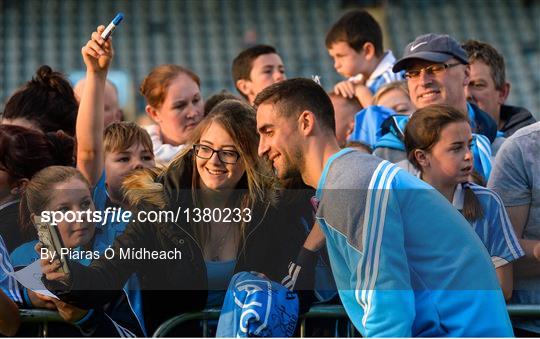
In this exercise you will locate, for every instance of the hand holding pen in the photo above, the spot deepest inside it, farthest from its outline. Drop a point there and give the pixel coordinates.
(98, 51)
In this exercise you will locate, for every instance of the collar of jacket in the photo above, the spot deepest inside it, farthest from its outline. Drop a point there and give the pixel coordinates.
(514, 118)
(485, 124)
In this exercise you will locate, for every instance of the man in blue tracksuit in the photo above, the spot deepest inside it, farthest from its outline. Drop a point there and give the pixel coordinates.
(406, 263)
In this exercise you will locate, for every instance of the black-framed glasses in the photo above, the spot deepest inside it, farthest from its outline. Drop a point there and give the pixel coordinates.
(431, 69)
(225, 156)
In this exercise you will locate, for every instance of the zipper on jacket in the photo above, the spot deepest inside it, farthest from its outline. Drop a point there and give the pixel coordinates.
(251, 232)
(243, 245)
(198, 245)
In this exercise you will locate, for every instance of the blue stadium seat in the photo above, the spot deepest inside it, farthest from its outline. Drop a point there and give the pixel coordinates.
(206, 35)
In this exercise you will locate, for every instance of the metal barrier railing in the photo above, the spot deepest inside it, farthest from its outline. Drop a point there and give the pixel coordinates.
(523, 311)
(326, 311)
(204, 315)
(319, 311)
(44, 317)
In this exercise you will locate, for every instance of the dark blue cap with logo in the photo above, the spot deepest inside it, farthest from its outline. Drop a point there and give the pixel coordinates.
(431, 47)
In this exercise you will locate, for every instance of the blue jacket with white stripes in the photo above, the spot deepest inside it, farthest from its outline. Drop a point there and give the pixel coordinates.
(8, 284)
(406, 262)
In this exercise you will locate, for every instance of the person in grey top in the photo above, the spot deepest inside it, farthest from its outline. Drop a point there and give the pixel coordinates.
(516, 178)
(401, 269)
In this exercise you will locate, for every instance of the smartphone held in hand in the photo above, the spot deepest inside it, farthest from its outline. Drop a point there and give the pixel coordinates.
(50, 238)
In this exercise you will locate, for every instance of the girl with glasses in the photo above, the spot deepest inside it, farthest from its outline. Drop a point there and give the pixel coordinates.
(229, 221)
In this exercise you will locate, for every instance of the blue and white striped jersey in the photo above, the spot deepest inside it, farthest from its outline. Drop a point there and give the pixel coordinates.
(405, 261)
(382, 74)
(7, 282)
(494, 228)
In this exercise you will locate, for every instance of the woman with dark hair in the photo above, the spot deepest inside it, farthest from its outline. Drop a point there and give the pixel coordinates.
(23, 152)
(46, 103)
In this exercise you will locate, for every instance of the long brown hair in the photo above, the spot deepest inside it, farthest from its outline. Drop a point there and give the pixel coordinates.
(422, 133)
(257, 183)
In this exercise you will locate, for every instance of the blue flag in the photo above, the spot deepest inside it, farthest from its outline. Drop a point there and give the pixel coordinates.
(257, 306)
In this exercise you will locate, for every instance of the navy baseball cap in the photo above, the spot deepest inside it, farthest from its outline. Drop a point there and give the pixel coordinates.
(431, 47)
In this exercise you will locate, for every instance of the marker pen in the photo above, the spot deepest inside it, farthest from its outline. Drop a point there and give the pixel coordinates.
(110, 29)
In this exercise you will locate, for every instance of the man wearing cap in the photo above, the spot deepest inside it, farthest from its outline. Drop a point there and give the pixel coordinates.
(437, 72)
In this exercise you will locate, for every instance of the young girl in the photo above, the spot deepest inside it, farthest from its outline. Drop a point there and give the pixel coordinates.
(437, 141)
(64, 189)
(395, 95)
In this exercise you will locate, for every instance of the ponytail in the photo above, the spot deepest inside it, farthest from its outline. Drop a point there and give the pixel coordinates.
(47, 100)
(472, 210)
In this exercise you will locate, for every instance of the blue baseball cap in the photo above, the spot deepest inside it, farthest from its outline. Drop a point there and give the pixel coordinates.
(431, 47)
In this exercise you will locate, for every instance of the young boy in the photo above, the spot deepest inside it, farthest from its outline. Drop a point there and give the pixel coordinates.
(256, 68)
(355, 43)
(105, 158)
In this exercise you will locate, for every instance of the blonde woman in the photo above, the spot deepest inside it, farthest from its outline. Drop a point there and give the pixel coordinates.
(229, 222)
